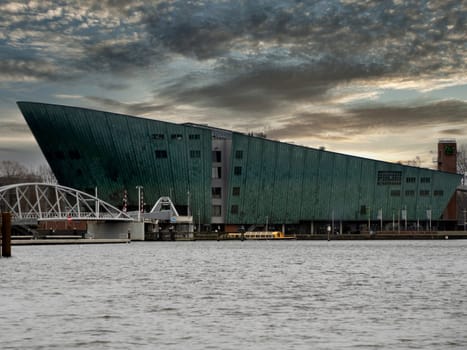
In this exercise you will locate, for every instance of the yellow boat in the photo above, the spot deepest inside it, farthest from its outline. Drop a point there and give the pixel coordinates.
(260, 235)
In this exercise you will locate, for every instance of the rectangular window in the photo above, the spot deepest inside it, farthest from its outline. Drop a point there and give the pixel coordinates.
(195, 154)
(438, 193)
(236, 191)
(410, 180)
(238, 154)
(425, 180)
(161, 153)
(216, 210)
(238, 170)
(389, 177)
(194, 136)
(176, 136)
(424, 193)
(217, 172)
(362, 209)
(157, 136)
(395, 193)
(234, 209)
(216, 192)
(216, 156)
(409, 193)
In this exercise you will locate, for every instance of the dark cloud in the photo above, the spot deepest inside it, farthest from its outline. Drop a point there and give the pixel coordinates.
(454, 132)
(115, 86)
(262, 55)
(128, 108)
(363, 120)
(264, 87)
(29, 69)
(291, 50)
(388, 33)
(14, 128)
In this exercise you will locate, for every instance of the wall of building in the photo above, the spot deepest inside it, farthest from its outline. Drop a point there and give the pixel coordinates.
(87, 148)
(262, 181)
(283, 183)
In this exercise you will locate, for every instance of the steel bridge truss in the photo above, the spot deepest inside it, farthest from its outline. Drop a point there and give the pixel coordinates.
(51, 202)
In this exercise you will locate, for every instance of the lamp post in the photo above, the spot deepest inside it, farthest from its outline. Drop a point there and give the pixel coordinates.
(188, 203)
(139, 188)
(332, 222)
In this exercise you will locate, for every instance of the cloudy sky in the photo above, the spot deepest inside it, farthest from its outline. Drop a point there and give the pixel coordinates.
(378, 79)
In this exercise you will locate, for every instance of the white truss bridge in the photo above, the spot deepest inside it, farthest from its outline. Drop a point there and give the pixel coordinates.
(33, 202)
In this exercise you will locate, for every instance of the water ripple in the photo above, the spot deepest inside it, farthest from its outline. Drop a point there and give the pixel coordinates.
(232, 295)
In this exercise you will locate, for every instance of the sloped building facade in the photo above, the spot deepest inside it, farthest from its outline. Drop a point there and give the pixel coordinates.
(223, 177)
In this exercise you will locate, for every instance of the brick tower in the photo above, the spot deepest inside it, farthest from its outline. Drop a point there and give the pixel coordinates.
(447, 161)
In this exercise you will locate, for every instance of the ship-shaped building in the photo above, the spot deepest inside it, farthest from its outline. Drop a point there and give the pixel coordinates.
(229, 179)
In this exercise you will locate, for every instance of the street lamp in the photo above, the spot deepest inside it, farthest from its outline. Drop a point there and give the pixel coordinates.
(139, 188)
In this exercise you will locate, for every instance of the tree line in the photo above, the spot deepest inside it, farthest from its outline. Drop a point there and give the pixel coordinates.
(12, 171)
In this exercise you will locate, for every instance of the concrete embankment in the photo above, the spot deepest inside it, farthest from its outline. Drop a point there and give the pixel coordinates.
(66, 241)
(389, 235)
(212, 236)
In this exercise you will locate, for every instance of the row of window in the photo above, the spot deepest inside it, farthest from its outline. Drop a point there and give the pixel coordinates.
(175, 136)
(162, 153)
(217, 192)
(411, 193)
(395, 177)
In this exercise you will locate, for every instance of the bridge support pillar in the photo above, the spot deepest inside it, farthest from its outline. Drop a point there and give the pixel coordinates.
(116, 230)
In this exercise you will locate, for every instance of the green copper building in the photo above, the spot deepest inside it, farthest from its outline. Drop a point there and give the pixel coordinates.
(227, 179)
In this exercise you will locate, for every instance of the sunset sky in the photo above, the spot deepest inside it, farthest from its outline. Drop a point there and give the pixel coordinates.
(379, 79)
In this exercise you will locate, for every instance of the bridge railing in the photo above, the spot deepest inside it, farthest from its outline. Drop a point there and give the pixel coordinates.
(47, 202)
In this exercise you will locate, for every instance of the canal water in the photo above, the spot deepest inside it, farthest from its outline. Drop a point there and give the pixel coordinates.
(236, 295)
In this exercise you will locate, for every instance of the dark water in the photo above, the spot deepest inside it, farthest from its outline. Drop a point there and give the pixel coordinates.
(236, 295)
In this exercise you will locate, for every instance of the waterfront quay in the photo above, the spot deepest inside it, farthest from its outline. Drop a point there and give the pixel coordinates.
(221, 236)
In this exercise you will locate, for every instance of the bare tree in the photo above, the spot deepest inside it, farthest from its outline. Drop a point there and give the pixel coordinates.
(12, 172)
(417, 162)
(12, 168)
(45, 174)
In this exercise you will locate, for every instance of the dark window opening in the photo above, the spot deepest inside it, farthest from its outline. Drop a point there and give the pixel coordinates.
(74, 154)
(194, 136)
(438, 193)
(216, 192)
(424, 193)
(236, 191)
(395, 193)
(362, 209)
(410, 180)
(216, 172)
(238, 170)
(176, 136)
(216, 156)
(409, 193)
(157, 136)
(425, 180)
(216, 210)
(60, 155)
(239, 155)
(161, 153)
(234, 209)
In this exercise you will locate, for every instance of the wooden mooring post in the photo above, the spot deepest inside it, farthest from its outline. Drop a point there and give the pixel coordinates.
(6, 235)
